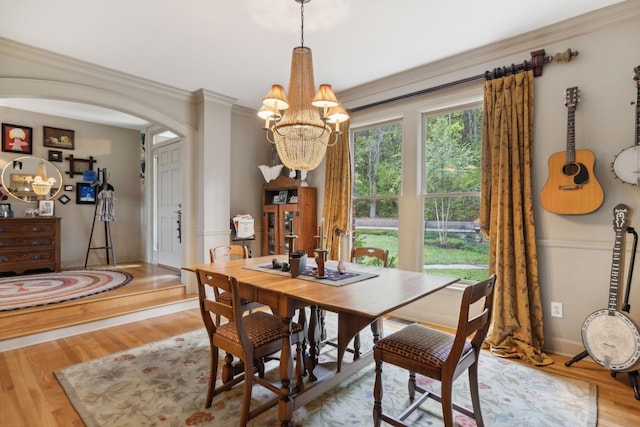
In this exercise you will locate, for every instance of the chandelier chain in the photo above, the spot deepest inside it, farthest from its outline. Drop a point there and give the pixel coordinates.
(302, 23)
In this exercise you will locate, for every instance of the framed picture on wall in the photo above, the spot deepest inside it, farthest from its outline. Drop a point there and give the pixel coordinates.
(85, 193)
(17, 139)
(58, 138)
(45, 207)
(55, 156)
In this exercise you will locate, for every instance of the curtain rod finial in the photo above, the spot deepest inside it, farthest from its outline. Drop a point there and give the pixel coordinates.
(537, 61)
(565, 56)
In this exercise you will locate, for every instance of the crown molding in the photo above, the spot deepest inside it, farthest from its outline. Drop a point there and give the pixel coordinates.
(44, 57)
(474, 61)
(245, 111)
(204, 95)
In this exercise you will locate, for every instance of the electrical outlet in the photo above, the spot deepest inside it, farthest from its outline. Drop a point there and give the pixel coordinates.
(556, 309)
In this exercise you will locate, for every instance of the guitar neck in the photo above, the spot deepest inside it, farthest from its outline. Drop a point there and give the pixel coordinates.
(638, 116)
(620, 212)
(571, 135)
(615, 272)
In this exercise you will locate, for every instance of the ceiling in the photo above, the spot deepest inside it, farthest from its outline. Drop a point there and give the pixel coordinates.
(239, 48)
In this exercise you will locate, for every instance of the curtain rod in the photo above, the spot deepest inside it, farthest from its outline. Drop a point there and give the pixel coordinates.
(538, 59)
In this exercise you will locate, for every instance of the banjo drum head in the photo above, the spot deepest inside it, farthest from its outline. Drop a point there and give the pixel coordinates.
(612, 340)
(626, 165)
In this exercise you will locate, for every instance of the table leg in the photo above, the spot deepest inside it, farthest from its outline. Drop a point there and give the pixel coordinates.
(302, 320)
(314, 341)
(285, 406)
(377, 329)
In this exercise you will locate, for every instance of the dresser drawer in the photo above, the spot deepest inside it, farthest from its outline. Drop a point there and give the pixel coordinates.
(26, 228)
(31, 256)
(11, 242)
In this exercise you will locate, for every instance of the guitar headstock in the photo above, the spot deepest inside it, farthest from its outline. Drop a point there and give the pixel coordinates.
(572, 97)
(620, 212)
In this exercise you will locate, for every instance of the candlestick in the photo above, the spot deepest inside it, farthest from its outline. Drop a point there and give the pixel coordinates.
(322, 233)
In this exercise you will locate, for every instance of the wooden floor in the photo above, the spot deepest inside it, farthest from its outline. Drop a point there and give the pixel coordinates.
(31, 396)
(152, 286)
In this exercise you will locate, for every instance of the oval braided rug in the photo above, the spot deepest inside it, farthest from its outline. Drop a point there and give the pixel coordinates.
(41, 289)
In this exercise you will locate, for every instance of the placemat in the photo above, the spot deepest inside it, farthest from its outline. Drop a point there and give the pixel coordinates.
(334, 278)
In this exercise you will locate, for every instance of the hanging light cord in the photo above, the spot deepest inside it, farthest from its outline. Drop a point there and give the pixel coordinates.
(302, 23)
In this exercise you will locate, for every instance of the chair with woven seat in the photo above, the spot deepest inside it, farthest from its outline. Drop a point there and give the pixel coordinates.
(357, 254)
(252, 338)
(361, 254)
(369, 252)
(438, 355)
(229, 252)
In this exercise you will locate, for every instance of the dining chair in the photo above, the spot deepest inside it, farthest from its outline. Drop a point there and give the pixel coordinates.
(438, 355)
(362, 254)
(251, 337)
(229, 252)
(359, 254)
(370, 252)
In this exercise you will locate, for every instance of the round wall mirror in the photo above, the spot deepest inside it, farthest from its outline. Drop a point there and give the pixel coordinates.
(31, 179)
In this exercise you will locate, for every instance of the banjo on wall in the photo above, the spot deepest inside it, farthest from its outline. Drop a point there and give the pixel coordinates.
(609, 336)
(626, 165)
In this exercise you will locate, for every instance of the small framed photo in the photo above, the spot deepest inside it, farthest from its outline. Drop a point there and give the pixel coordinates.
(85, 193)
(58, 138)
(45, 207)
(282, 197)
(5, 210)
(55, 156)
(17, 139)
(64, 199)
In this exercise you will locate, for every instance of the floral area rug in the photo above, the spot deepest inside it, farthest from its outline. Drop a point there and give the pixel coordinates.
(41, 289)
(165, 384)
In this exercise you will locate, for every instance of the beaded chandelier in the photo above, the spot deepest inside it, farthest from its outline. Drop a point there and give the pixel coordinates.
(300, 124)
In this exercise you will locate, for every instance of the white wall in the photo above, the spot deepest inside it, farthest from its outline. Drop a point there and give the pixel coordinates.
(117, 150)
(248, 150)
(574, 250)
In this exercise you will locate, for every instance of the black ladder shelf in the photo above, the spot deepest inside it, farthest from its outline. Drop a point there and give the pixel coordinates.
(108, 243)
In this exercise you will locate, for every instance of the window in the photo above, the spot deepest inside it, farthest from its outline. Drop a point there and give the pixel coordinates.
(377, 184)
(452, 241)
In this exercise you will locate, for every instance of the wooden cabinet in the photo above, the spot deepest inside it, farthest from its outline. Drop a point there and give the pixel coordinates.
(285, 203)
(29, 244)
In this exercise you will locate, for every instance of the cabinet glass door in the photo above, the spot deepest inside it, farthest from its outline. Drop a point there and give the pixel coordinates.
(289, 227)
(270, 224)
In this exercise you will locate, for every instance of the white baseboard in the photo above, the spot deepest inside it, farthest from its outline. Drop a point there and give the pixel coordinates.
(27, 340)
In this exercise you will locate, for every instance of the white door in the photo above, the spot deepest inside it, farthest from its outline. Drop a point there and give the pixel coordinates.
(168, 225)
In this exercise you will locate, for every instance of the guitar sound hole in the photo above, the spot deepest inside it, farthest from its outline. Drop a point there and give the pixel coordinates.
(570, 169)
(578, 171)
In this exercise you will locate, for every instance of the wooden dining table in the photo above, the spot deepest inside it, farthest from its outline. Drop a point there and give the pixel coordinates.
(374, 292)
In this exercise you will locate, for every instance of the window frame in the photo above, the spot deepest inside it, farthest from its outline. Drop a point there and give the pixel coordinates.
(424, 195)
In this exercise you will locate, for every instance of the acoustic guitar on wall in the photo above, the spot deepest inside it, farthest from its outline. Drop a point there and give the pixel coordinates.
(572, 187)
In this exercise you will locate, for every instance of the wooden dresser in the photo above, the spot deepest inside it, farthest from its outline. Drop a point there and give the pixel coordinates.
(29, 244)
